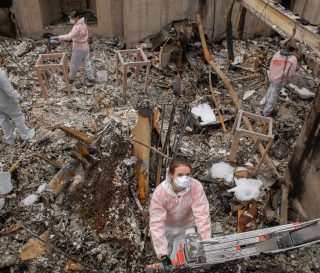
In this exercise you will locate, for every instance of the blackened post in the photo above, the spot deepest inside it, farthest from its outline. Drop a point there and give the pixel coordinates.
(241, 22)
(229, 37)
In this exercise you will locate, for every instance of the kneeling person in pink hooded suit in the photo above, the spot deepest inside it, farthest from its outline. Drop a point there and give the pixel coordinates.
(177, 204)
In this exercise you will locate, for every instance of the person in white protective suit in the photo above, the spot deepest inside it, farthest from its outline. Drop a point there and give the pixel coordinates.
(80, 47)
(11, 110)
(178, 203)
(283, 66)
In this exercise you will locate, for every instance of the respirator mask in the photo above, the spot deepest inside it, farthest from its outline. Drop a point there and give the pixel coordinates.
(182, 181)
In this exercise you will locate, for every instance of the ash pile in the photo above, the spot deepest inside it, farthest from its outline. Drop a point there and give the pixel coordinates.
(82, 211)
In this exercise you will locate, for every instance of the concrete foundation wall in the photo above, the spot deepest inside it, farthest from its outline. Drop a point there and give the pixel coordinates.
(303, 172)
(29, 18)
(146, 17)
(135, 20)
(50, 10)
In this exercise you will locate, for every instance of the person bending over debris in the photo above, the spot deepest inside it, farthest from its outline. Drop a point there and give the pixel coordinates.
(283, 66)
(177, 204)
(10, 109)
(80, 47)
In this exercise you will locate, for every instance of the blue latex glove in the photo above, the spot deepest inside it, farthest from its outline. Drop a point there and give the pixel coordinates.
(54, 38)
(166, 262)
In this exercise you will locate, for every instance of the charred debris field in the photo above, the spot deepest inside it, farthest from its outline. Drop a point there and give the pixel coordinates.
(88, 213)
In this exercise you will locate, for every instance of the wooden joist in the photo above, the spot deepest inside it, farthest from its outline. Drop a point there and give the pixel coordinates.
(283, 22)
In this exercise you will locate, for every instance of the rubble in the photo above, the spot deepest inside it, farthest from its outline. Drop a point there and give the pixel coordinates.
(33, 248)
(204, 114)
(95, 217)
(303, 92)
(248, 94)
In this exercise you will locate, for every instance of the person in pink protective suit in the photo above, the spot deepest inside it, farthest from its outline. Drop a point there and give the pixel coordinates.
(10, 110)
(283, 66)
(80, 47)
(177, 204)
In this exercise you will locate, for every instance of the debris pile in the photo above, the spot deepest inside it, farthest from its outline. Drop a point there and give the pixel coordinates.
(76, 187)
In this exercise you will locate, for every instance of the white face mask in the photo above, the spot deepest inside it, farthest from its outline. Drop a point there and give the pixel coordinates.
(72, 21)
(182, 181)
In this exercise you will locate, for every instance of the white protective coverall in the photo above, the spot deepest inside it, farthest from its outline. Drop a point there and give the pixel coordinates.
(80, 49)
(281, 68)
(10, 109)
(171, 214)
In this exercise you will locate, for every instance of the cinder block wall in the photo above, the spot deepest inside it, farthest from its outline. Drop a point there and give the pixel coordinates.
(303, 172)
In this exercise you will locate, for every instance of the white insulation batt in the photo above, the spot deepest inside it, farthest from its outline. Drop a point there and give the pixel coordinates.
(222, 170)
(303, 92)
(246, 189)
(205, 112)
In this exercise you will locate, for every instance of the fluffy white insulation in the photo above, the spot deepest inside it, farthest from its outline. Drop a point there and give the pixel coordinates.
(222, 170)
(29, 200)
(246, 189)
(303, 92)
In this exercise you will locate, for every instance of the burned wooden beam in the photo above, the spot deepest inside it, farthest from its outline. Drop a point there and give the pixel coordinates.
(142, 134)
(80, 157)
(32, 154)
(284, 22)
(241, 21)
(224, 129)
(85, 137)
(63, 177)
(284, 204)
(303, 171)
(229, 37)
(166, 143)
(26, 51)
(233, 94)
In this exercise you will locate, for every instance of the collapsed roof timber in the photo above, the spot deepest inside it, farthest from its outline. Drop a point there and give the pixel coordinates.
(75, 197)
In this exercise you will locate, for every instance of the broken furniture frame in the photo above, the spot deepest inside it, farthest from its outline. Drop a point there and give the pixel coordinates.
(238, 132)
(140, 61)
(41, 68)
(232, 92)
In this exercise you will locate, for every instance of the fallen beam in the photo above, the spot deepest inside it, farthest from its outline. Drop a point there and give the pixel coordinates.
(216, 105)
(228, 21)
(233, 94)
(284, 204)
(85, 137)
(241, 22)
(62, 178)
(142, 135)
(32, 154)
(284, 22)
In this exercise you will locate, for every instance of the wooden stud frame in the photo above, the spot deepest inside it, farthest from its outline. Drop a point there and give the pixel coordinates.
(238, 132)
(140, 61)
(41, 68)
